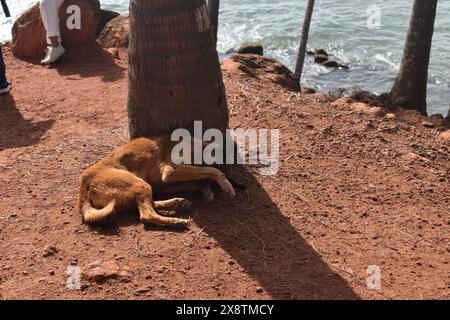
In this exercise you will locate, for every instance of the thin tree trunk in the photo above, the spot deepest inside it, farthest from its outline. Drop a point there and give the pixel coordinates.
(410, 87)
(304, 41)
(174, 71)
(213, 9)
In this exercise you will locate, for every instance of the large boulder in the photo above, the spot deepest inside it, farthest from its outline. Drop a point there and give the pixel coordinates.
(116, 33)
(29, 35)
(263, 69)
(105, 17)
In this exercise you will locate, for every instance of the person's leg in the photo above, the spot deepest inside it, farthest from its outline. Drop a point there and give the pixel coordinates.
(50, 18)
(5, 85)
(3, 82)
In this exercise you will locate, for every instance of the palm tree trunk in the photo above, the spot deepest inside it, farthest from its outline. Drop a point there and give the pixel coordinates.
(213, 9)
(410, 87)
(174, 71)
(304, 41)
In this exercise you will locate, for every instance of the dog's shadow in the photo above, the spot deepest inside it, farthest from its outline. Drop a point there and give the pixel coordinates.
(255, 233)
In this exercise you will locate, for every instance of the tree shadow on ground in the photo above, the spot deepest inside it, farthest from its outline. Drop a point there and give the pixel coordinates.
(89, 61)
(15, 131)
(254, 232)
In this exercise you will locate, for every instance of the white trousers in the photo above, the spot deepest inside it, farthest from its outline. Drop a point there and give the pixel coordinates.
(50, 17)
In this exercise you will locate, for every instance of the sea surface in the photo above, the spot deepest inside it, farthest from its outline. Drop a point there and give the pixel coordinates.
(366, 35)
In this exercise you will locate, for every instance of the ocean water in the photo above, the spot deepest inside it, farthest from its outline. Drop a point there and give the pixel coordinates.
(373, 51)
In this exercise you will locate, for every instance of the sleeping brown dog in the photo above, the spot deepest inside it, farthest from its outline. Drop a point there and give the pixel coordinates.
(128, 176)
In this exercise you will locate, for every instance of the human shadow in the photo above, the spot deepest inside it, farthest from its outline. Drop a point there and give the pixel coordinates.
(257, 236)
(15, 131)
(89, 61)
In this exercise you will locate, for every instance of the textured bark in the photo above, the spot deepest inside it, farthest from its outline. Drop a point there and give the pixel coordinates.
(304, 41)
(213, 9)
(410, 87)
(174, 70)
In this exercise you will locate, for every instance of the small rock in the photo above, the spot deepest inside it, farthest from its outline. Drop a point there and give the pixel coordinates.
(140, 291)
(319, 58)
(259, 290)
(342, 102)
(339, 92)
(428, 124)
(411, 156)
(320, 97)
(101, 271)
(49, 250)
(308, 91)
(124, 276)
(377, 111)
(437, 117)
(321, 52)
(444, 136)
(331, 64)
(390, 116)
(359, 106)
(252, 48)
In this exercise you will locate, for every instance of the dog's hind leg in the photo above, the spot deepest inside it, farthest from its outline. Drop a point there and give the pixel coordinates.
(149, 215)
(124, 190)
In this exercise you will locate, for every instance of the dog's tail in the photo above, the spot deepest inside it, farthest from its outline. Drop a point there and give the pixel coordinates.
(92, 215)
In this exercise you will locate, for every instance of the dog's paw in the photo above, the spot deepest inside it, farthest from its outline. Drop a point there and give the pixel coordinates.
(227, 188)
(181, 224)
(183, 204)
(167, 213)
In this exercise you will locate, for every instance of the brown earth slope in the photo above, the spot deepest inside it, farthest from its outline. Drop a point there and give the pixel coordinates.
(353, 190)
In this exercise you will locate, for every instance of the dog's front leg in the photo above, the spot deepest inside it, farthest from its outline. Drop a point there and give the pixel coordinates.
(183, 173)
(175, 204)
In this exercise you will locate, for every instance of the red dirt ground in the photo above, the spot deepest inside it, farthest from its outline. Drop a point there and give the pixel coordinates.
(353, 190)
